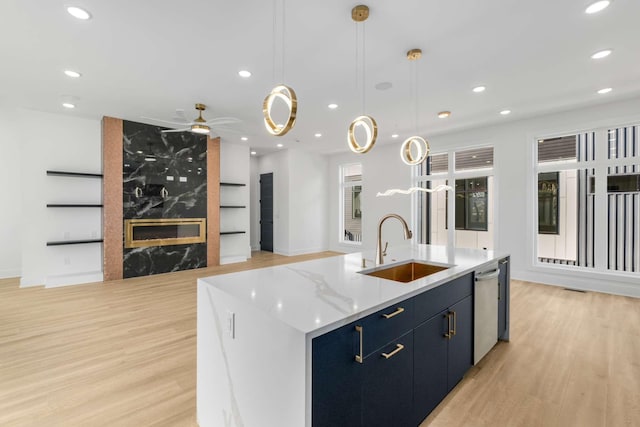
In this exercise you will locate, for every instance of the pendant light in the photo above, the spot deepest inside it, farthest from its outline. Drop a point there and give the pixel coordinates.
(281, 91)
(359, 14)
(421, 145)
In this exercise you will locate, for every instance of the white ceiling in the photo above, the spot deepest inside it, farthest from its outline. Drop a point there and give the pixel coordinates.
(149, 58)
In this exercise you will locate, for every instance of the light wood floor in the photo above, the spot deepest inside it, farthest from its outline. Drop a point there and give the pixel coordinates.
(123, 353)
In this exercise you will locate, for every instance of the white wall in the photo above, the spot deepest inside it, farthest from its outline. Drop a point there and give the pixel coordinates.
(66, 143)
(300, 192)
(234, 168)
(308, 195)
(11, 209)
(515, 186)
(382, 169)
(254, 196)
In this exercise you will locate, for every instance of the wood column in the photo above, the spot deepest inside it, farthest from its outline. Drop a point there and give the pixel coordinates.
(213, 201)
(112, 198)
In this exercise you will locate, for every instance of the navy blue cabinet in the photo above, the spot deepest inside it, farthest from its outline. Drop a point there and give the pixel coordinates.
(443, 353)
(337, 379)
(460, 355)
(430, 365)
(413, 353)
(387, 395)
(503, 299)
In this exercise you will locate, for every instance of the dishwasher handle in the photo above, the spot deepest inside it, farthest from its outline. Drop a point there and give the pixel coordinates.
(488, 275)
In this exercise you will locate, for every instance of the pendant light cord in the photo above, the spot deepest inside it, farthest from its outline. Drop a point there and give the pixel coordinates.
(360, 64)
(364, 68)
(284, 26)
(281, 53)
(274, 38)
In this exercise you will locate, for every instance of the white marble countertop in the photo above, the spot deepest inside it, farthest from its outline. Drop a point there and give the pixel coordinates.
(318, 296)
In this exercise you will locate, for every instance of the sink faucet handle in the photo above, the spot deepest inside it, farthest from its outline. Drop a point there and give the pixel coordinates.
(384, 251)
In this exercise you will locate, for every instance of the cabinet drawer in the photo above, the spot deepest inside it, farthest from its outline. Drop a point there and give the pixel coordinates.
(430, 303)
(386, 325)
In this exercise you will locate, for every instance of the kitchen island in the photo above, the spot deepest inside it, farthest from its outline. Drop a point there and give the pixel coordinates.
(305, 344)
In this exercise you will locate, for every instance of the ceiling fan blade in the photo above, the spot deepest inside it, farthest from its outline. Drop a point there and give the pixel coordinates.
(223, 120)
(175, 130)
(164, 121)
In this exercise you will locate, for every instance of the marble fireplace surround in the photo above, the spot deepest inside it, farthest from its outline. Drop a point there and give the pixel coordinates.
(118, 259)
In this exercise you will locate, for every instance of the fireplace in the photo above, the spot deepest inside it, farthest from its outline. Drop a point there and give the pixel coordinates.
(140, 233)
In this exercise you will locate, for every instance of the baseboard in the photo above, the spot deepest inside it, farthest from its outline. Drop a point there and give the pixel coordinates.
(301, 251)
(9, 274)
(30, 281)
(255, 248)
(608, 284)
(73, 279)
(232, 259)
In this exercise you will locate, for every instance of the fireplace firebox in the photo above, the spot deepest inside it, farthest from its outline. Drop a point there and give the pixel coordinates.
(140, 233)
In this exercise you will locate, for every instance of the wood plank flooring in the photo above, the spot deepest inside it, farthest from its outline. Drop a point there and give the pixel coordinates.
(123, 353)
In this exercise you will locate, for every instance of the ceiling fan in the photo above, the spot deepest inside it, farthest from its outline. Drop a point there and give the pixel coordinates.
(197, 125)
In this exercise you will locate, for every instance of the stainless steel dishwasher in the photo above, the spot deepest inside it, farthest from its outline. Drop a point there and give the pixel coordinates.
(486, 293)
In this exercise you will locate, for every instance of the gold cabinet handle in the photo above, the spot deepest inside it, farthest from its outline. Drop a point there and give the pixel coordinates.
(455, 323)
(359, 357)
(395, 313)
(448, 334)
(398, 349)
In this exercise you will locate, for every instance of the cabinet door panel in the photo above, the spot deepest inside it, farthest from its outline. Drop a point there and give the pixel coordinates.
(503, 280)
(461, 344)
(387, 386)
(430, 365)
(336, 379)
(427, 304)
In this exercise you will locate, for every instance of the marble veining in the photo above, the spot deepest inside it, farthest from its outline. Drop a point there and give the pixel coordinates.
(163, 259)
(164, 175)
(340, 293)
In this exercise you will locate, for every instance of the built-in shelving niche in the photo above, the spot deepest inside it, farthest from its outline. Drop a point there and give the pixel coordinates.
(74, 205)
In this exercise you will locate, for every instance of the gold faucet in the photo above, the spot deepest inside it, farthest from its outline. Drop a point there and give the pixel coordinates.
(407, 235)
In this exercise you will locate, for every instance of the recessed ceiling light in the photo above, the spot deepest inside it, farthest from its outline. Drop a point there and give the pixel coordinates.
(244, 138)
(253, 153)
(479, 89)
(279, 145)
(601, 54)
(244, 73)
(68, 105)
(79, 13)
(444, 114)
(318, 135)
(395, 135)
(597, 6)
(605, 90)
(332, 106)
(71, 73)
(505, 112)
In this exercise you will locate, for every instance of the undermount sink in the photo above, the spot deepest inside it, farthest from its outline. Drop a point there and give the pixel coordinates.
(405, 272)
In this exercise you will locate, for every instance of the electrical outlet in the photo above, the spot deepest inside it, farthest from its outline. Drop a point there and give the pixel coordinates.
(67, 260)
(94, 234)
(231, 324)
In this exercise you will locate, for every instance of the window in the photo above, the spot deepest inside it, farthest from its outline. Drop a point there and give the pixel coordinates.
(350, 206)
(582, 177)
(471, 204)
(472, 174)
(566, 208)
(548, 187)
